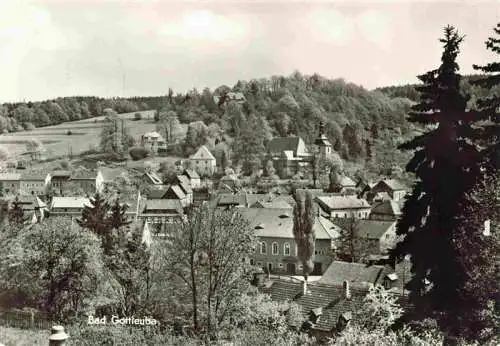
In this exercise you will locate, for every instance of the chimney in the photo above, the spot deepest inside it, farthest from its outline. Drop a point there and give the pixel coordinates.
(347, 291)
(304, 286)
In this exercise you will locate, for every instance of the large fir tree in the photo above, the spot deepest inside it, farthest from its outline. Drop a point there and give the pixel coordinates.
(95, 217)
(446, 166)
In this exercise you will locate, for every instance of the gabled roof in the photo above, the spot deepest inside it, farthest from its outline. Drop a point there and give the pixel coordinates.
(154, 178)
(157, 193)
(278, 223)
(275, 204)
(323, 140)
(394, 184)
(373, 229)
(342, 202)
(33, 176)
(10, 176)
(202, 154)
(191, 174)
(325, 298)
(184, 184)
(354, 273)
(347, 182)
(224, 189)
(83, 175)
(70, 202)
(278, 145)
(177, 191)
(152, 134)
(166, 205)
(387, 207)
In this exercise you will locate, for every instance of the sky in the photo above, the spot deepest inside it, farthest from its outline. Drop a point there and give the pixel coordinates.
(111, 48)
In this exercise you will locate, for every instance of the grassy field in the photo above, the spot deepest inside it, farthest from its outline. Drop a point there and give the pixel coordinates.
(85, 135)
(23, 337)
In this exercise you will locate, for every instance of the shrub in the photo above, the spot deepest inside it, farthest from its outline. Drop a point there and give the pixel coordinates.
(5, 131)
(69, 133)
(137, 116)
(29, 126)
(138, 153)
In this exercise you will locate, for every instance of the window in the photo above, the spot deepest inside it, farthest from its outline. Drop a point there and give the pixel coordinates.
(259, 264)
(270, 266)
(252, 262)
(263, 248)
(275, 249)
(286, 249)
(281, 265)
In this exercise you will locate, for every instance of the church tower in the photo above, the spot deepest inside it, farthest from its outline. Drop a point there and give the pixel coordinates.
(323, 145)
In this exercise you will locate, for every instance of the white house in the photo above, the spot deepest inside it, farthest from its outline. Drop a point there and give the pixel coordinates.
(203, 162)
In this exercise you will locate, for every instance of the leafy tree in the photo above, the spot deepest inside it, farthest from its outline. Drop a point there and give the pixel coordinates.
(197, 135)
(35, 147)
(168, 172)
(304, 217)
(114, 135)
(351, 246)
(446, 166)
(56, 265)
(168, 125)
(249, 147)
(118, 217)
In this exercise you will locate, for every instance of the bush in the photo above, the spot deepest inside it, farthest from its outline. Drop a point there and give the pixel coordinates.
(138, 153)
(69, 133)
(137, 116)
(29, 126)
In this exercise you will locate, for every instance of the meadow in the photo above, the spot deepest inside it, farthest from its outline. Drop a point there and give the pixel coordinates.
(85, 135)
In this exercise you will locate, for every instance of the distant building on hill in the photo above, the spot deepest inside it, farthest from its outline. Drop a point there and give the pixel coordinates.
(203, 162)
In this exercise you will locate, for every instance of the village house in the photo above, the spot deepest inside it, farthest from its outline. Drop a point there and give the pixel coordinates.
(344, 206)
(354, 273)
(59, 179)
(387, 210)
(68, 206)
(10, 183)
(328, 308)
(194, 178)
(183, 182)
(89, 181)
(34, 183)
(379, 236)
(277, 250)
(160, 211)
(348, 186)
(395, 189)
(203, 162)
(230, 181)
(240, 200)
(153, 142)
(289, 155)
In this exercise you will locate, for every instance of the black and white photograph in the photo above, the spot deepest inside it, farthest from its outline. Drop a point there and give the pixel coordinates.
(249, 172)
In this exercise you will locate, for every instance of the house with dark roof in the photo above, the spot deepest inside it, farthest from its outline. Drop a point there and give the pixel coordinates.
(328, 308)
(354, 273)
(277, 250)
(289, 155)
(10, 183)
(160, 211)
(194, 178)
(394, 188)
(387, 210)
(344, 206)
(183, 182)
(34, 183)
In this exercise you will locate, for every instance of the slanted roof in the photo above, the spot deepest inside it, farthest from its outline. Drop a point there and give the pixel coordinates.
(224, 189)
(278, 145)
(275, 204)
(33, 176)
(394, 184)
(70, 202)
(10, 176)
(83, 175)
(154, 178)
(157, 193)
(278, 223)
(166, 205)
(373, 229)
(228, 199)
(191, 174)
(202, 154)
(152, 134)
(61, 174)
(347, 182)
(184, 184)
(323, 141)
(387, 207)
(177, 191)
(330, 298)
(342, 202)
(355, 273)
(382, 196)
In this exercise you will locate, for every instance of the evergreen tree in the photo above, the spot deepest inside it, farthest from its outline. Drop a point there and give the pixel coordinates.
(96, 218)
(16, 213)
(488, 114)
(304, 217)
(445, 165)
(118, 218)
